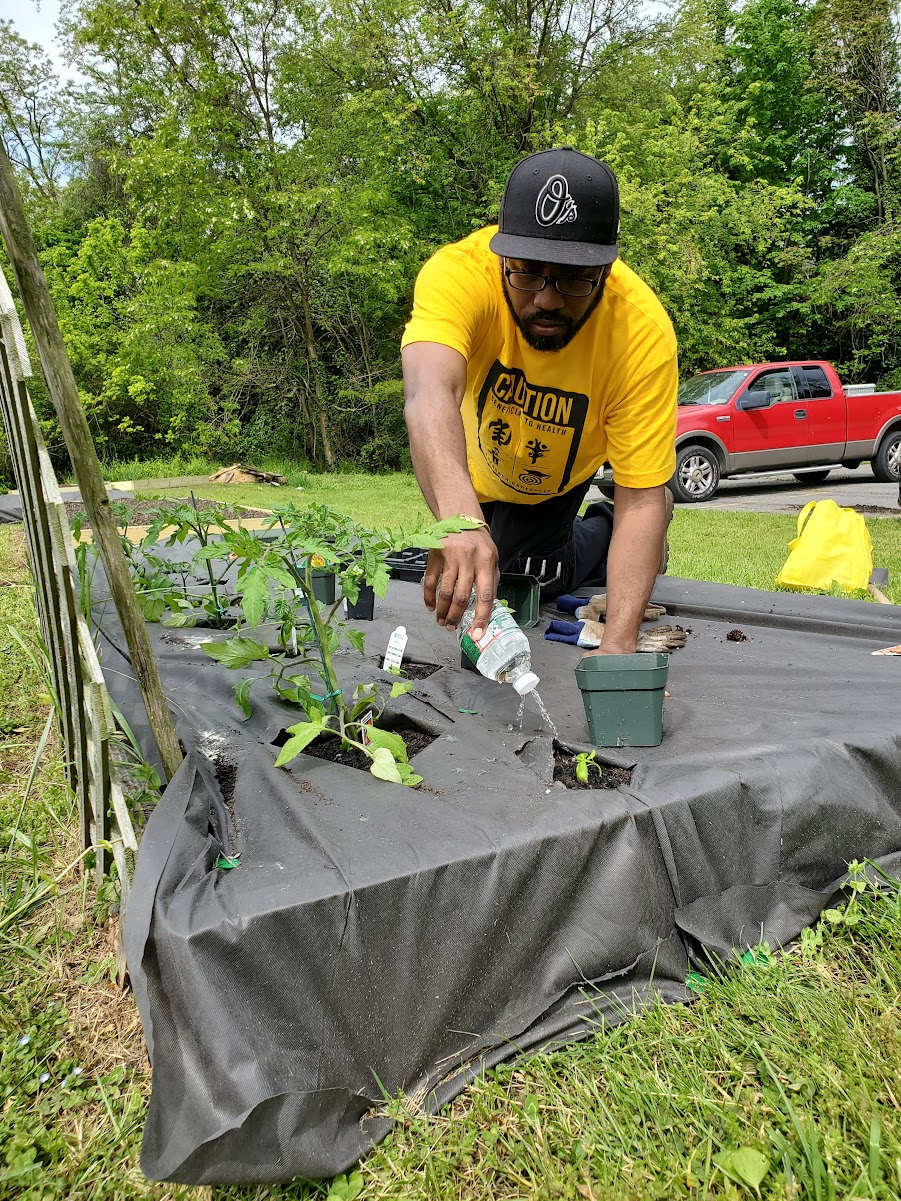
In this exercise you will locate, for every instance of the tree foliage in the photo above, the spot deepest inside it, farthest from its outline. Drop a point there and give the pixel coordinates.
(232, 209)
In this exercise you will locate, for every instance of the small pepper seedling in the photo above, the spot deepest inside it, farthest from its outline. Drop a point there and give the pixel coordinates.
(584, 761)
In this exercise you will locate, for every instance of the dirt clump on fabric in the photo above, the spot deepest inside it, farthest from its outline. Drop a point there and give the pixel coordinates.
(872, 510)
(737, 635)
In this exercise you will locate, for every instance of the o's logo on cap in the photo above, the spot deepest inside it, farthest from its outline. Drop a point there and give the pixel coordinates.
(554, 205)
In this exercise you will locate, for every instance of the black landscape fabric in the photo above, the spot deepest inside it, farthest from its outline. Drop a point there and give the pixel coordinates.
(11, 502)
(376, 938)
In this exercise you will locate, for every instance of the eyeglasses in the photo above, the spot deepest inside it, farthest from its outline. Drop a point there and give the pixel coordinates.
(566, 285)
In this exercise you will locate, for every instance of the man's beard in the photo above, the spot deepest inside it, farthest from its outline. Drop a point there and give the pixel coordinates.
(566, 334)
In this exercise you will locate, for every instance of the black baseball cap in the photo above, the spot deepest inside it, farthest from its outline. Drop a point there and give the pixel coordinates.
(559, 206)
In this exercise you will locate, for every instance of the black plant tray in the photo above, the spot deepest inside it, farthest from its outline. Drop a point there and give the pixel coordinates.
(408, 565)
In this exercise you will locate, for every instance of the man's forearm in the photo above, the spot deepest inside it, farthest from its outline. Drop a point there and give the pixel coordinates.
(438, 451)
(632, 563)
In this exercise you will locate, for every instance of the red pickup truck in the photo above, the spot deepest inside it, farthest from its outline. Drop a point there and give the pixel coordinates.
(781, 417)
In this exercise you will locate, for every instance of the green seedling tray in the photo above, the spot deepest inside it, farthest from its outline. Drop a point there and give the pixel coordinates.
(520, 593)
(623, 698)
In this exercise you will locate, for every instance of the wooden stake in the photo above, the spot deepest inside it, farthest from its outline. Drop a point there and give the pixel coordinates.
(73, 423)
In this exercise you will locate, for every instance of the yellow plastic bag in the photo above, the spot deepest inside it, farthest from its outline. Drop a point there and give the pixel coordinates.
(833, 546)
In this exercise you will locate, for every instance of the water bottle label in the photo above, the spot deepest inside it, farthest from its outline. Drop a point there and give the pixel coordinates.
(502, 622)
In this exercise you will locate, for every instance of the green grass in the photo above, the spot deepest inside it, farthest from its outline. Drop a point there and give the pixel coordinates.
(171, 466)
(705, 544)
(380, 500)
(750, 548)
(794, 1057)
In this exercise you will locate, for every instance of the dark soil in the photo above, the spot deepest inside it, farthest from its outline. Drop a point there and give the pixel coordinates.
(143, 512)
(609, 777)
(331, 749)
(737, 636)
(174, 640)
(226, 776)
(419, 671)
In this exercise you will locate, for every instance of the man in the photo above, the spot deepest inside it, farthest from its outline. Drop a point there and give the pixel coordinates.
(533, 355)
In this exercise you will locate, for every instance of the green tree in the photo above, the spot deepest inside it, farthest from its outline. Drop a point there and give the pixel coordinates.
(30, 107)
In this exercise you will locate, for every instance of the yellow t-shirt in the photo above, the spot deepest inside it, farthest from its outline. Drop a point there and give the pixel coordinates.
(540, 422)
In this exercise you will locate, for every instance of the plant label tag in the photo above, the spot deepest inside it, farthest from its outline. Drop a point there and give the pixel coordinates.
(365, 722)
(396, 645)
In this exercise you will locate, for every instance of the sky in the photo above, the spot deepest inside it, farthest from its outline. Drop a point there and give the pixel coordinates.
(36, 24)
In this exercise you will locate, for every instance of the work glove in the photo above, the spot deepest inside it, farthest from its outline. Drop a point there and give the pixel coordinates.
(590, 634)
(595, 609)
(574, 632)
(663, 638)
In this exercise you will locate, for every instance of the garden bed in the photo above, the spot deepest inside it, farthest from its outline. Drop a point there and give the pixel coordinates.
(144, 512)
(442, 927)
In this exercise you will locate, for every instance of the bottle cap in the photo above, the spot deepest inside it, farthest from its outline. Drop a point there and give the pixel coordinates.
(526, 682)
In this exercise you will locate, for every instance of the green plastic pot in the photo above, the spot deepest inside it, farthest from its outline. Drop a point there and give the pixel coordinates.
(623, 698)
(323, 586)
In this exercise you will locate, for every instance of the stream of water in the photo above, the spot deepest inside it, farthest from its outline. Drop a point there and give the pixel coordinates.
(545, 716)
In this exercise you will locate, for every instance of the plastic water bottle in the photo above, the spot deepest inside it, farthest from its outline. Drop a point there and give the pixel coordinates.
(502, 653)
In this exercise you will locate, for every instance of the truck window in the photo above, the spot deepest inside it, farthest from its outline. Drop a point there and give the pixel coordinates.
(779, 384)
(711, 388)
(813, 383)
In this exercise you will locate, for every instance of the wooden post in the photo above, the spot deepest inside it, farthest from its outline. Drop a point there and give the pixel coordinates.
(73, 423)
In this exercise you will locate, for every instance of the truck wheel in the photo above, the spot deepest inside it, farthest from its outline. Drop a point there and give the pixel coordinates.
(811, 477)
(886, 463)
(697, 474)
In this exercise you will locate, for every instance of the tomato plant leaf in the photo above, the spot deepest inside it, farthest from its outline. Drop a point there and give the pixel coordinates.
(304, 734)
(255, 602)
(357, 639)
(236, 652)
(380, 579)
(242, 696)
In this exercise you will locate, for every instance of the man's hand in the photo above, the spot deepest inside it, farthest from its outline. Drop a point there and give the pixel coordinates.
(466, 559)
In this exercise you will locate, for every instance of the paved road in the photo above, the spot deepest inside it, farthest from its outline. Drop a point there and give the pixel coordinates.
(784, 494)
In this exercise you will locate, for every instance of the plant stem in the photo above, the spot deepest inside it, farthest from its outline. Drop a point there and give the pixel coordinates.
(333, 610)
(320, 630)
(204, 541)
